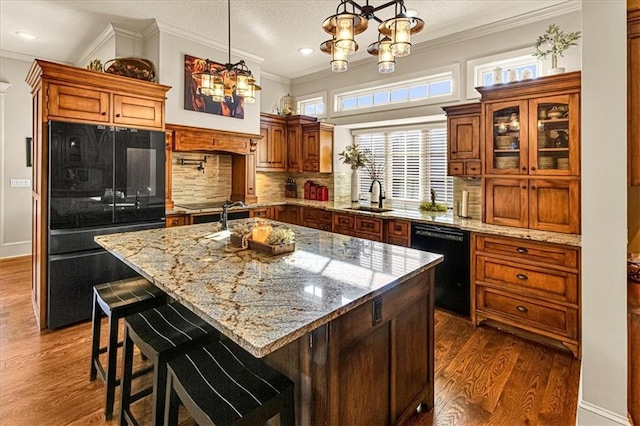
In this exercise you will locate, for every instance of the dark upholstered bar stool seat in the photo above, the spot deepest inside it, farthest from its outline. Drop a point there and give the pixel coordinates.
(161, 334)
(117, 300)
(221, 384)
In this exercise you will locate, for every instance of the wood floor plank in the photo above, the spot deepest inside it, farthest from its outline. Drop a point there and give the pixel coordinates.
(482, 376)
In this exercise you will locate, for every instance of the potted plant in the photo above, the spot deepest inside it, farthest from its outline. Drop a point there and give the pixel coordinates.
(554, 42)
(355, 158)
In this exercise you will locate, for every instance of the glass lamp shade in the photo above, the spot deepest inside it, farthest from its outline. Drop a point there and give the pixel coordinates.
(344, 33)
(386, 60)
(400, 36)
(218, 90)
(242, 84)
(338, 59)
(206, 84)
(250, 96)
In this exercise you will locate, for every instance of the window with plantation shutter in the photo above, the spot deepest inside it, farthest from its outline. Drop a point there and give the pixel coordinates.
(410, 161)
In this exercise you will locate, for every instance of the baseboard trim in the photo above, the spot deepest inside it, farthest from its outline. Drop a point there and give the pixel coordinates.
(15, 258)
(610, 416)
(15, 249)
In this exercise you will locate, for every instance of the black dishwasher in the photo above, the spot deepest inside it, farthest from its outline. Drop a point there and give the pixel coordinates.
(453, 275)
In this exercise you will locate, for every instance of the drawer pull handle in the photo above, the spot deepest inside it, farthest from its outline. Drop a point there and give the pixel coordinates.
(522, 308)
(397, 228)
(522, 250)
(103, 113)
(522, 277)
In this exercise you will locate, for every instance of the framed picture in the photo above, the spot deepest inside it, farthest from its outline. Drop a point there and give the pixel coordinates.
(232, 106)
(29, 152)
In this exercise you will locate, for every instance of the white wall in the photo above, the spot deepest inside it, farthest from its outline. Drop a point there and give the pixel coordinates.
(15, 203)
(273, 88)
(604, 215)
(424, 57)
(171, 66)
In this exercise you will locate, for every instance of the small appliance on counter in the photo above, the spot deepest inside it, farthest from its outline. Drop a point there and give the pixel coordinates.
(290, 188)
(322, 194)
(307, 189)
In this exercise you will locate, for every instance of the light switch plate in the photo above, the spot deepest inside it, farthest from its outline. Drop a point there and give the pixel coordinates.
(20, 183)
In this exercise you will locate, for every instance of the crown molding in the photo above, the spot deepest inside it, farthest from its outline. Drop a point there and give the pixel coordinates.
(188, 35)
(21, 56)
(150, 30)
(90, 51)
(570, 6)
(273, 77)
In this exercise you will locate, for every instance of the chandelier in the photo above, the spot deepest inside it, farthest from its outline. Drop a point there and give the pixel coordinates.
(220, 81)
(351, 18)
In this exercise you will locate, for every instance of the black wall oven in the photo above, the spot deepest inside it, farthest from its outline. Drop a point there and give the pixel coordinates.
(102, 180)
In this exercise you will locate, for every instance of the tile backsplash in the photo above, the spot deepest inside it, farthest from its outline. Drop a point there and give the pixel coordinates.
(270, 185)
(191, 185)
(474, 186)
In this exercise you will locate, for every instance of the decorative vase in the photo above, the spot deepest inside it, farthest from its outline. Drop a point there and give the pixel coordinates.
(355, 182)
(554, 66)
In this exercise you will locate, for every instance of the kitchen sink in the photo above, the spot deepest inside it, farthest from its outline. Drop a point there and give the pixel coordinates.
(370, 209)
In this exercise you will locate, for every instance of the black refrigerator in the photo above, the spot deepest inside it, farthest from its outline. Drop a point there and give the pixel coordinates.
(102, 180)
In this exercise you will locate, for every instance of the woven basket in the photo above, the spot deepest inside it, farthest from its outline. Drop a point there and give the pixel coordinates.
(138, 68)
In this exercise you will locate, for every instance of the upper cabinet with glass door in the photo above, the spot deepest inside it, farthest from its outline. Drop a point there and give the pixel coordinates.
(532, 127)
(554, 132)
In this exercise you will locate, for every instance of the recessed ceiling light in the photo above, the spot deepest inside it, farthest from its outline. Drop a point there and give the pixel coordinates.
(305, 50)
(411, 13)
(26, 36)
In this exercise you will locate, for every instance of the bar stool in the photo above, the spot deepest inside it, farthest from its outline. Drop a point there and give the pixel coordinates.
(117, 299)
(221, 384)
(161, 334)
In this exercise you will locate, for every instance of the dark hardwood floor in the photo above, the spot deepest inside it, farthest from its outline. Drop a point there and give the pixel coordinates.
(483, 376)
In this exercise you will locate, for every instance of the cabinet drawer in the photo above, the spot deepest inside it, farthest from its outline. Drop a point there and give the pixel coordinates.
(326, 217)
(456, 168)
(311, 214)
(178, 220)
(530, 280)
(344, 221)
(398, 228)
(530, 251)
(369, 225)
(264, 213)
(398, 241)
(525, 313)
(472, 168)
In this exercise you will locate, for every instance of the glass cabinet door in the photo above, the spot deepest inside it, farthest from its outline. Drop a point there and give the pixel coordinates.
(506, 133)
(554, 135)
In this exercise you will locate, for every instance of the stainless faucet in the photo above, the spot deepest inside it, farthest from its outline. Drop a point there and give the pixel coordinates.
(225, 208)
(380, 196)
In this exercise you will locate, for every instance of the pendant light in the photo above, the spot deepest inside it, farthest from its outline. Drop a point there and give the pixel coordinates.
(352, 18)
(220, 82)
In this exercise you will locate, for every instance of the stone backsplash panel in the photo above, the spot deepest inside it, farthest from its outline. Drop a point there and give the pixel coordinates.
(474, 186)
(191, 185)
(270, 185)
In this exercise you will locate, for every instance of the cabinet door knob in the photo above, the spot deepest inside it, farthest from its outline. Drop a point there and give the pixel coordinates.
(533, 187)
(117, 115)
(454, 152)
(103, 113)
(524, 186)
(522, 308)
(524, 169)
(522, 277)
(522, 250)
(533, 167)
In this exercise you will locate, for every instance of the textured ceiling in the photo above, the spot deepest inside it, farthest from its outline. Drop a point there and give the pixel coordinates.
(270, 29)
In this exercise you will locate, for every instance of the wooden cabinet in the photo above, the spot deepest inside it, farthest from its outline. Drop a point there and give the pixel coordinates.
(344, 223)
(180, 219)
(369, 227)
(633, 96)
(463, 140)
(317, 148)
(633, 331)
(317, 218)
(398, 232)
(542, 204)
(295, 144)
(263, 213)
(531, 137)
(271, 154)
(66, 93)
(532, 287)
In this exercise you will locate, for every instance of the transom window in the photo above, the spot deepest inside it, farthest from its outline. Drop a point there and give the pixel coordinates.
(436, 86)
(412, 161)
(313, 107)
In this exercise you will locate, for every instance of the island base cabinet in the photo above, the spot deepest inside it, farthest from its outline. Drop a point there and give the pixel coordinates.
(372, 365)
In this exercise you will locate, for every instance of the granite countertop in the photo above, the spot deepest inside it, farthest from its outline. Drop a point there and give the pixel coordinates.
(263, 302)
(416, 215)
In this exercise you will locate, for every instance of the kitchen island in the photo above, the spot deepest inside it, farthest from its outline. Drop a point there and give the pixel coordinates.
(350, 321)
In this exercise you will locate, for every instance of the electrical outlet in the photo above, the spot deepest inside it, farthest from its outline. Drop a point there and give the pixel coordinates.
(20, 183)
